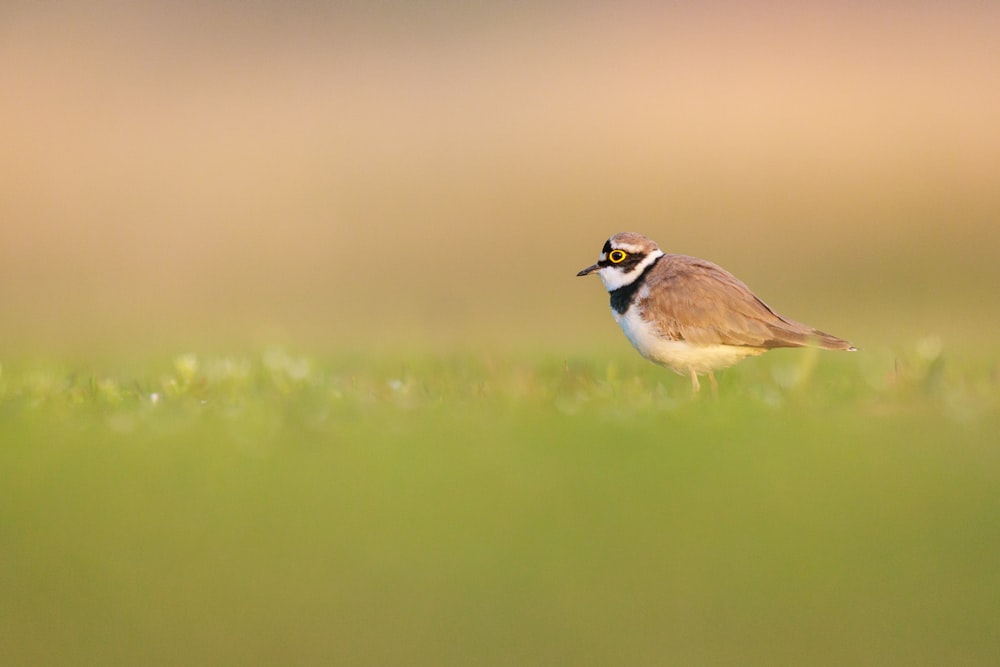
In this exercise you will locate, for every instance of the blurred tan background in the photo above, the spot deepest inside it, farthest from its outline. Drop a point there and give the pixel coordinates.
(181, 172)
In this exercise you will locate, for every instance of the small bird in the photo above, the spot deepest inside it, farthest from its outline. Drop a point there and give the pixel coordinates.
(689, 314)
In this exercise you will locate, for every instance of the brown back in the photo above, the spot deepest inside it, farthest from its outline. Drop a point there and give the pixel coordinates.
(702, 303)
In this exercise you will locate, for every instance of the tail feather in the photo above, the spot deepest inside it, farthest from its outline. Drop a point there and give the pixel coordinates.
(789, 333)
(799, 335)
(828, 342)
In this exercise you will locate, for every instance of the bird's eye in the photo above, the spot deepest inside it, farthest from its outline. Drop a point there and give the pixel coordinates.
(617, 256)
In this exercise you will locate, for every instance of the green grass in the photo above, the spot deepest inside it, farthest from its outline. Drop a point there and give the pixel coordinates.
(505, 509)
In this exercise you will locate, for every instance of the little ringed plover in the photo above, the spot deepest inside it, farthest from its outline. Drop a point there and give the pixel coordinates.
(691, 315)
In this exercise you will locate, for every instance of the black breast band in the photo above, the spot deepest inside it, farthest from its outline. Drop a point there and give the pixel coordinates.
(622, 297)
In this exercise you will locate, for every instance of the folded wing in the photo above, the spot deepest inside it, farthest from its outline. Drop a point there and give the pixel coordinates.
(702, 303)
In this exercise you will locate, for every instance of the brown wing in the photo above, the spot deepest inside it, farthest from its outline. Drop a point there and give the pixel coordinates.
(702, 303)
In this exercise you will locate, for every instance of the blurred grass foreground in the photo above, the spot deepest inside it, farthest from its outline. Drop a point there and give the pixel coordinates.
(490, 510)
(294, 368)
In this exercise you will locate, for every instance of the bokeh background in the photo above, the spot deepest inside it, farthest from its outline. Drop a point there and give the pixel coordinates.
(397, 429)
(436, 172)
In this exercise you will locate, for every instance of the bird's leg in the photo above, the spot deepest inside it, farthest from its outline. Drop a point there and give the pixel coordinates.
(715, 385)
(695, 385)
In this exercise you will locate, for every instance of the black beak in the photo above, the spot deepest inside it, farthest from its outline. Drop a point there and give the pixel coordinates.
(590, 269)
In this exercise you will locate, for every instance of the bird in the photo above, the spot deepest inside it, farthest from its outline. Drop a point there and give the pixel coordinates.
(691, 315)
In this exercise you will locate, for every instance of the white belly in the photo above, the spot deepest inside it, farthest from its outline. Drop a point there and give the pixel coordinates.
(678, 355)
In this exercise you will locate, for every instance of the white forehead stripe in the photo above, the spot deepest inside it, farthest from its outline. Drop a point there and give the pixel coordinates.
(629, 248)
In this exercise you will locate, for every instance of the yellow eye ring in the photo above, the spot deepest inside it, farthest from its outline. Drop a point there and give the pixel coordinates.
(617, 256)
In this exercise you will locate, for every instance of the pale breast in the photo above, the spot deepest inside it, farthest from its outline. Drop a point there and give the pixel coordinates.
(678, 355)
